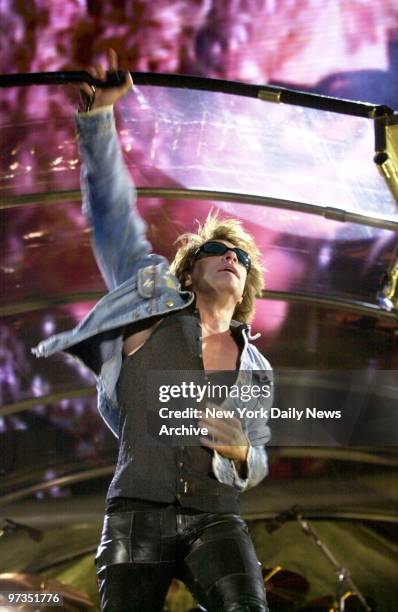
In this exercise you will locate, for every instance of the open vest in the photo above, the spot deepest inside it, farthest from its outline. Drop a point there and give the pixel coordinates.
(151, 468)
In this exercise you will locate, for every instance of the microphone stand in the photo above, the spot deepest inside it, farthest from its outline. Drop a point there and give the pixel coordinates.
(343, 574)
(9, 526)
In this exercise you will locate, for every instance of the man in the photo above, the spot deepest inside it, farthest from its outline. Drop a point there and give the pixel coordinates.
(172, 511)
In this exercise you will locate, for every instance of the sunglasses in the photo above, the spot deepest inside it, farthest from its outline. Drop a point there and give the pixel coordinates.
(212, 248)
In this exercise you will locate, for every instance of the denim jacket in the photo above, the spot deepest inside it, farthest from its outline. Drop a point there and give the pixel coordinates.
(140, 286)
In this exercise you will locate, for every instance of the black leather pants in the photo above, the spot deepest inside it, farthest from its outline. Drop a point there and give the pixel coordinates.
(141, 551)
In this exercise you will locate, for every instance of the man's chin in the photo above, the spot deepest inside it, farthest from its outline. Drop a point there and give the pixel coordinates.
(229, 287)
(222, 286)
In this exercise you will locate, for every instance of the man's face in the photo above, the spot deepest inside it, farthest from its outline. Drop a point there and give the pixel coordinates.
(219, 274)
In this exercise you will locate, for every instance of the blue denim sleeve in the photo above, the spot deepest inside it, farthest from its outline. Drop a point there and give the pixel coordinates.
(109, 198)
(257, 469)
(258, 433)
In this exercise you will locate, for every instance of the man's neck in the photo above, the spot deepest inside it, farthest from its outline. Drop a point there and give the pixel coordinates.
(215, 315)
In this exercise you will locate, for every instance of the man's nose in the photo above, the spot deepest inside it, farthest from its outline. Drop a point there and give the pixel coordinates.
(230, 256)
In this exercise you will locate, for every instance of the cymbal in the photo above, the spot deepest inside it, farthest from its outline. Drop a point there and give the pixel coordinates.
(328, 604)
(74, 599)
(284, 587)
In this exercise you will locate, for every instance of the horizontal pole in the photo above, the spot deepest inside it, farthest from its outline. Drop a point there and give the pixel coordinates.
(26, 306)
(339, 304)
(61, 481)
(284, 377)
(269, 93)
(106, 471)
(52, 398)
(328, 212)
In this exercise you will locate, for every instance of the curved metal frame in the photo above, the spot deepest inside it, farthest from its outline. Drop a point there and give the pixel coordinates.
(270, 93)
(329, 212)
(332, 453)
(267, 93)
(31, 403)
(356, 307)
(335, 214)
(57, 482)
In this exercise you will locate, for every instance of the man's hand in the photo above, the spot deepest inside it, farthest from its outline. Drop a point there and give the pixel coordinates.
(104, 97)
(226, 436)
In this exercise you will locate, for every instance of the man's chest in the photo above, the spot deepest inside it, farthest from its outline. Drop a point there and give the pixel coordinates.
(219, 351)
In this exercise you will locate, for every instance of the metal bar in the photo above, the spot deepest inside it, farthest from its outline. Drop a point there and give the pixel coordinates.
(360, 515)
(283, 377)
(329, 212)
(66, 77)
(33, 402)
(263, 92)
(57, 482)
(49, 302)
(82, 476)
(41, 198)
(354, 306)
(357, 307)
(357, 454)
(290, 378)
(35, 568)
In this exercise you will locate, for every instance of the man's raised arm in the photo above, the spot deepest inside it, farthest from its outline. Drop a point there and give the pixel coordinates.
(109, 196)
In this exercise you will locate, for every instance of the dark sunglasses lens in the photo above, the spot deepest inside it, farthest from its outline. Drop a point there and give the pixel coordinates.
(214, 248)
(243, 258)
(217, 248)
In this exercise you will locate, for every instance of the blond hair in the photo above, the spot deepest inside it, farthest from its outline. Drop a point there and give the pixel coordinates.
(231, 230)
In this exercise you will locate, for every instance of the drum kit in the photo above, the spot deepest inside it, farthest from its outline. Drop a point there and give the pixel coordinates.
(287, 592)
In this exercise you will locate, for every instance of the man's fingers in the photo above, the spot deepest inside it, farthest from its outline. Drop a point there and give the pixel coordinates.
(205, 441)
(213, 428)
(112, 59)
(86, 88)
(236, 422)
(220, 438)
(224, 449)
(216, 434)
(129, 81)
(225, 425)
(113, 62)
(222, 435)
(101, 72)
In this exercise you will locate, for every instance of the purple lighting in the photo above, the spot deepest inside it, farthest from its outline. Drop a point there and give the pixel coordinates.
(325, 255)
(49, 327)
(39, 386)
